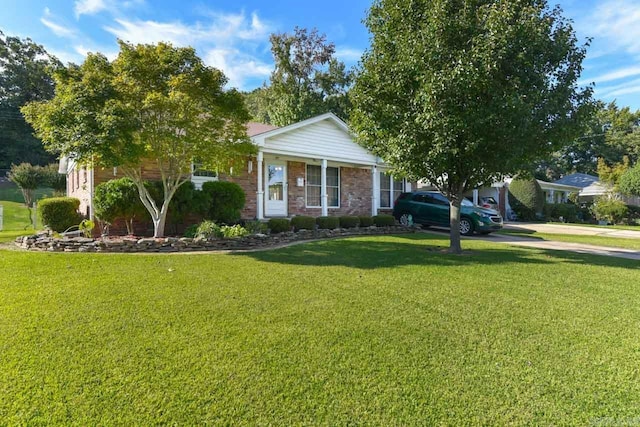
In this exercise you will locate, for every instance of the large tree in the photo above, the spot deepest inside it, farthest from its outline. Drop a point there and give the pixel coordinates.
(24, 78)
(461, 92)
(307, 80)
(153, 103)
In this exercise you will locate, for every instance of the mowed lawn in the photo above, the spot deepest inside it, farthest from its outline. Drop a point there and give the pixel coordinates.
(613, 242)
(15, 221)
(369, 330)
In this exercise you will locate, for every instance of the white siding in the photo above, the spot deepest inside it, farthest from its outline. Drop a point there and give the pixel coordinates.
(320, 140)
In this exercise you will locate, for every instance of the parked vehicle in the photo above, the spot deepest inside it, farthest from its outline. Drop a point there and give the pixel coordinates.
(488, 203)
(432, 208)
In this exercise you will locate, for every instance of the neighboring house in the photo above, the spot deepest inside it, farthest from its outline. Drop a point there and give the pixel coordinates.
(313, 167)
(590, 188)
(557, 193)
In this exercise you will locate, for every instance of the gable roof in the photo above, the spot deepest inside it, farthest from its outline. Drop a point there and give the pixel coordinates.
(255, 128)
(327, 116)
(581, 180)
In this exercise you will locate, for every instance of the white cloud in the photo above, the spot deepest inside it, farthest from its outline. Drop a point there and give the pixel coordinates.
(616, 21)
(57, 29)
(347, 54)
(628, 89)
(88, 7)
(618, 74)
(226, 41)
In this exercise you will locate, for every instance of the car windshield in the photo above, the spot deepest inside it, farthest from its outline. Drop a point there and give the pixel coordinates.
(465, 202)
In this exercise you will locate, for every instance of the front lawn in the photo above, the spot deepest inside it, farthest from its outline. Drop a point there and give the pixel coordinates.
(15, 220)
(614, 242)
(368, 330)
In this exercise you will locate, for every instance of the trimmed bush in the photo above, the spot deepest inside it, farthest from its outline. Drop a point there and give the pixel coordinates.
(328, 222)
(226, 201)
(567, 211)
(279, 225)
(59, 213)
(256, 227)
(384, 220)
(302, 222)
(526, 198)
(118, 199)
(349, 221)
(365, 221)
(231, 231)
(208, 230)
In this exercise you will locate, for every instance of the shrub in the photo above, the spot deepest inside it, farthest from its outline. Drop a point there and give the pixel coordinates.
(630, 181)
(526, 198)
(349, 221)
(208, 230)
(256, 227)
(279, 225)
(59, 213)
(51, 178)
(384, 220)
(365, 221)
(302, 222)
(567, 211)
(328, 222)
(606, 209)
(118, 199)
(226, 201)
(191, 231)
(231, 231)
(185, 201)
(27, 177)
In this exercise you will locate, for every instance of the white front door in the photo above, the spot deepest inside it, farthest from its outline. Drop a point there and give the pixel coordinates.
(275, 178)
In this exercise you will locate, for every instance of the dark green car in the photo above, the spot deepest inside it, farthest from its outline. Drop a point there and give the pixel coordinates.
(432, 208)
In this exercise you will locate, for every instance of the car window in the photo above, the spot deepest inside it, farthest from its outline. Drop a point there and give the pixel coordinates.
(421, 198)
(489, 200)
(466, 202)
(441, 199)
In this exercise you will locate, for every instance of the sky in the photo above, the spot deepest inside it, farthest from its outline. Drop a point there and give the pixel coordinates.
(234, 35)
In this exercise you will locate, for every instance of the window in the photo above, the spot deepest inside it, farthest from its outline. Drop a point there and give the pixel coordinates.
(314, 186)
(199, 171)
(390, 189)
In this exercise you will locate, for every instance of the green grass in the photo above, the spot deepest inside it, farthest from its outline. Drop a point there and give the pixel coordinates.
(370, 330)
(614, 242)
(610, 227)
(15, 221)
(13, 194)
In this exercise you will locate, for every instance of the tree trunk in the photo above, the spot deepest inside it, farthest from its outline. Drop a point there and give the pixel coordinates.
(454, 222)
(161, 219)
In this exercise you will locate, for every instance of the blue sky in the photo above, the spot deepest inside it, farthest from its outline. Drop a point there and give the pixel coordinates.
(234, 35)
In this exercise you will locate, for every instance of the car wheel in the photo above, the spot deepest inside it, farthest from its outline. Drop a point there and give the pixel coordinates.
(466, 226)
(406, 219)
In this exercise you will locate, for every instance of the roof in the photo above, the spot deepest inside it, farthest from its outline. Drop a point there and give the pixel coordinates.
(327, 116)
(254, 128)
(554, 186)
(581, 180)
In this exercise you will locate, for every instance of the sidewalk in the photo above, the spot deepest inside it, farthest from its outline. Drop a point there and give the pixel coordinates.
(573, 229)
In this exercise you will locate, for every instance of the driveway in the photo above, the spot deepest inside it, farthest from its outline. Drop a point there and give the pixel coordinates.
(572, 229)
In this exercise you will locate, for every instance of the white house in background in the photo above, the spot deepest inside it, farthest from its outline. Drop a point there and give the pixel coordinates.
(590, 188)
(557, 193)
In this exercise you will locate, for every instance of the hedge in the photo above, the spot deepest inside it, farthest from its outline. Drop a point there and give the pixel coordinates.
(349, 221)
(227, 200)
(365, 221)
(59, 213)
(328, 222)
(526, 199)
(302, 222)
(568, 212)
(279, 225)
(384, 220)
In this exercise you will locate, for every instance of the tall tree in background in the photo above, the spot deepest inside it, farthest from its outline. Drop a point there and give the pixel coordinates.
(24, 78)
(154, 103)
(461, 92)
(308, 80)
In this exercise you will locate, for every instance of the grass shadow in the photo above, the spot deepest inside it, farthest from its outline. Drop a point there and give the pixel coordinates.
(419, 249)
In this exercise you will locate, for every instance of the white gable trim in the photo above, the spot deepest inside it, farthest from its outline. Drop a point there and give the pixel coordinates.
(259, 139)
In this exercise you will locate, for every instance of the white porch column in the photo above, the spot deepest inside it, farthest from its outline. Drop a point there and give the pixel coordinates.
(260, 192)
(375, 190)
(324, 197)
(552, 196)
(475, 196)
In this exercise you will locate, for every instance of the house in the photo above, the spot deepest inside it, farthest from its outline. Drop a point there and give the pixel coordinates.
(313, 167)
(590, 187)
(557, 193)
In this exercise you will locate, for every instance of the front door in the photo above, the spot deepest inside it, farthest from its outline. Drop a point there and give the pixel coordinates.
(276, 189)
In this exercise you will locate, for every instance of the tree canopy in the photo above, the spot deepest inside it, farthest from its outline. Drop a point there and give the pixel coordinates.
(630, 181)
(24, 77)
(307, 80)
(153, 103)
(461, 92)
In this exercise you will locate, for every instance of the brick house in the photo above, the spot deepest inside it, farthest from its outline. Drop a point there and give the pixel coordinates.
(313, 167)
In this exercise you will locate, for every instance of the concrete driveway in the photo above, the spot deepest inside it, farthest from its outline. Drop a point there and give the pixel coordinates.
(572, 229)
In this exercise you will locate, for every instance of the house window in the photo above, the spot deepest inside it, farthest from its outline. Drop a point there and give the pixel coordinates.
(390, 189)
(199, 175)
(314, 186)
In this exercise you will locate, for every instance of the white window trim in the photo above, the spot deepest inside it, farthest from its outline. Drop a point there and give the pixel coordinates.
(198, 180)
(391, 189)
(306, 185)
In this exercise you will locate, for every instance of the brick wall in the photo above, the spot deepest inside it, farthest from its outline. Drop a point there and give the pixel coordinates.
(249, 184)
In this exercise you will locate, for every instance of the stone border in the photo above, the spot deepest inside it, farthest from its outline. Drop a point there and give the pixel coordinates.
(44, 242)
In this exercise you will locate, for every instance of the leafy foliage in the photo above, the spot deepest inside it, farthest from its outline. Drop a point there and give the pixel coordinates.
(611, 174)
(208, 230)
(328, 222)
(118, 199)
(302, 222)
(232, 231)
(279, 225)
(384, 220)
(629, 183)
(308, 80)
(24, 77)
(526, 198)
(365, 221)
(567, 212)
(153, 102)
(52, 179)
(462, 92)
(59, 213)
(28, 178)
(349, 221)
(609, 209)
(226, 200)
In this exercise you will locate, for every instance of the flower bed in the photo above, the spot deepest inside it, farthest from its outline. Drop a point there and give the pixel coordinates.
(45, 242)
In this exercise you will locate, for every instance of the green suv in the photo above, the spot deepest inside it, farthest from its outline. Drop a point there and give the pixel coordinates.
(432, 208)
